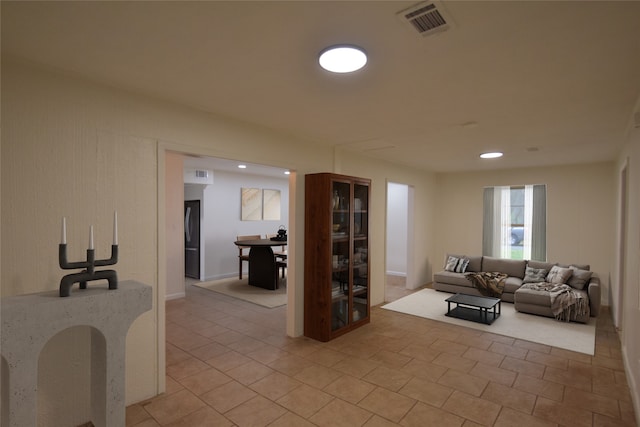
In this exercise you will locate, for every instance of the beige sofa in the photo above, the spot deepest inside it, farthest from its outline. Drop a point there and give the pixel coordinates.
(519, 272)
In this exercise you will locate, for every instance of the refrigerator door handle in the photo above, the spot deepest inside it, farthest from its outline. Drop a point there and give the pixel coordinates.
(187, 231)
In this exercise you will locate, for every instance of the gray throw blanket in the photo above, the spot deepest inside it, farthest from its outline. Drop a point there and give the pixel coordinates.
(565, 302)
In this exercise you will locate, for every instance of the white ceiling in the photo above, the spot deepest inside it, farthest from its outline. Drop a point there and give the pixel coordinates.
(547, 82)
(216, 164)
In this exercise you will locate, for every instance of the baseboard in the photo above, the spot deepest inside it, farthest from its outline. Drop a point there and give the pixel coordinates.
(396, 273)
(175, 296)
(245, 274)
(631, 379)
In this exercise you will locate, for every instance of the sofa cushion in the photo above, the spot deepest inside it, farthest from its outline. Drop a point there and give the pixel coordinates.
(579, 278)
(534, 275)
(456, 264)
(540, 264)
(534, 297)
(511, 267)
(531, 296)
(512, 284)
(452, 263)
(452, 278)
(580, 266)
(462, 265)
(475, 263)
(559, 275)
(446, 258)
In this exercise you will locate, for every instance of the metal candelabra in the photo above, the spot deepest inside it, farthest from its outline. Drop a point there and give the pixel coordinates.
(89, 273)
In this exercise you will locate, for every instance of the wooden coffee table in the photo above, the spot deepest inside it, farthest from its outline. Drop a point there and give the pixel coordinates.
(474, 308)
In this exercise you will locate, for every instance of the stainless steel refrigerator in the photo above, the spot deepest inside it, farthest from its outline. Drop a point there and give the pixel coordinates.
(192, 238)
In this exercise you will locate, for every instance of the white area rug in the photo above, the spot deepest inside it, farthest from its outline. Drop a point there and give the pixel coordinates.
(430, 304)
(242, 290)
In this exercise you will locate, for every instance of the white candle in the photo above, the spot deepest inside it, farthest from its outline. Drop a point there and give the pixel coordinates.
(115, 227)
(91, 237)
(63, 238)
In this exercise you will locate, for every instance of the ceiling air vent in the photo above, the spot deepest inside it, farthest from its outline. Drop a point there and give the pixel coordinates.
(426, 18)
(198, 176)
(202, 174)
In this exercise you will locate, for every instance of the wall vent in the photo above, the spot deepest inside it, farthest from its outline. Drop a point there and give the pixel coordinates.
(198, 176)
(426, 18)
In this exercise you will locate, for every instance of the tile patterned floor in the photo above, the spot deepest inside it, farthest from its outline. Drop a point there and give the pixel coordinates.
(229, 363)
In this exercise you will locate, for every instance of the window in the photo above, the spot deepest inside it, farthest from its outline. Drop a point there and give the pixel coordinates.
(515, 222)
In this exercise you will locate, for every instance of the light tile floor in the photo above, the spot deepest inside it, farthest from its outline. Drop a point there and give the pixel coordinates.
(230, 363)
(395, 288)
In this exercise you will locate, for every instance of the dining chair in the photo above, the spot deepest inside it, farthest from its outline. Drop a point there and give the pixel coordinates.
(281, 265)
(242, 256)
(280, 256)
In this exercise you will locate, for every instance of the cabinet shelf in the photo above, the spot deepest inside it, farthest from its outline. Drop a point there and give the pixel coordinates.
(336, 273)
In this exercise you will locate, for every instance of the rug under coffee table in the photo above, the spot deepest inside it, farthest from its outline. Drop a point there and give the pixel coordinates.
(474, 308)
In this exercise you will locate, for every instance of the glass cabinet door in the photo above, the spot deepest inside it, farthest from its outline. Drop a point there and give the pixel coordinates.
(360, 256)
(336, 258)
(340, 279)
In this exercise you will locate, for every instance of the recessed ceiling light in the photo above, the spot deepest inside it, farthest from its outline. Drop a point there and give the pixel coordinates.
(342, 58)
(492, 155)
(287, 172)
(242, 166)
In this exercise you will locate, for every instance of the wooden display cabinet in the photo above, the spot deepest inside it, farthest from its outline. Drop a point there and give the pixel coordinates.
(336, 264)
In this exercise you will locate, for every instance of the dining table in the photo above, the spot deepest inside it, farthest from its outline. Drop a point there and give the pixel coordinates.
(263, 271)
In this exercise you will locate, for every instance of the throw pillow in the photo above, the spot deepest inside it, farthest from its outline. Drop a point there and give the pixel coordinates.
(462, 265)
(558, 275)
(451, 264)
(579, 277)
(534, 275)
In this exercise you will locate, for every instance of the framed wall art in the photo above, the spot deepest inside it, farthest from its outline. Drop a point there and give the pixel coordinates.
(251, 204)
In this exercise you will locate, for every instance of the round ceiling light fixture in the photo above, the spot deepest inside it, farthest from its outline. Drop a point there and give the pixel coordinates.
(492, 155)
(342, 58)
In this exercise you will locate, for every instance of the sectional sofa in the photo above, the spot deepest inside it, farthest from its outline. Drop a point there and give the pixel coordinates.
(523, 283)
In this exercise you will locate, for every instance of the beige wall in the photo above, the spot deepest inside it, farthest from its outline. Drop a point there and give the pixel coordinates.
(579, 212)
(626, 306)
(78, 149)
(66, 153)
(174, 220)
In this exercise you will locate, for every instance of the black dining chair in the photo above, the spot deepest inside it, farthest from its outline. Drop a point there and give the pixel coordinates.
(242, 256)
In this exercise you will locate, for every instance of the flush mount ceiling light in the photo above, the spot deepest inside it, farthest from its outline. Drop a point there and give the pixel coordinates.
(342, 58)
(492, 155)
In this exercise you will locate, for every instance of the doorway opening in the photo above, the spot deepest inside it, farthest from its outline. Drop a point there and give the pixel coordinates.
(399, 268)
(248, 201)
(217, 237)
